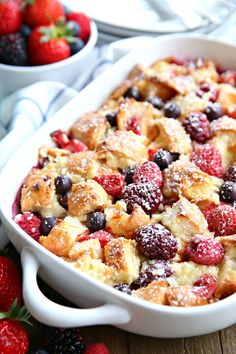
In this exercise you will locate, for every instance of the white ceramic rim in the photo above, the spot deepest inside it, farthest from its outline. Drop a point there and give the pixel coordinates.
(180, 311)
(60, 64)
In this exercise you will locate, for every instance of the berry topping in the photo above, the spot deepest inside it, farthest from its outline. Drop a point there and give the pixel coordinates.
(205, 285)
(205, 250)
(124, 288)
(146, 195)
(101, 235)
(155, 101)
(133, 92)
(156, 242)
(30, 223)
(197, 126)
(84, 24)
(42, 12)
(113, 184)
(96, 221)
(172, 110)
(129, 174)
(96, 348)
(76, 46)
(208, 159)
(63, 340)
(228, 77)
(112, 118)
(221, 219)
(213, 111)
(163, 159)
(47, 224)
(63, 184)
(10, 17)
(152, 270)
(228, 192)
(134, 125)
(230, 174)
(148, 172)
(13, 50)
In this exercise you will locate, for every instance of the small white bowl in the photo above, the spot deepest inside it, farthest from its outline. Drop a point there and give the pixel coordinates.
(65, 71)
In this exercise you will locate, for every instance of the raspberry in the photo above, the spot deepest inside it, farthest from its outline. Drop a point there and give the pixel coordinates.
(156, 242)
(221, 219)
(205, 286)
(148, 172)
(134, 124)
(228, 77)
(197, 126)
(146, 195)
(83, 22)
(152, 270)
(59, 137)
(13, 49)
(102, 236)
(208, 159)
(205, 250)
(113, 184)
(30, 223)
(74, 145)
(124, 288)
(230, 174)
(96, 348)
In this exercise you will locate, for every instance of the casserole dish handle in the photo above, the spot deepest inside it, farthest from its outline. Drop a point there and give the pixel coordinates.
(53, 314)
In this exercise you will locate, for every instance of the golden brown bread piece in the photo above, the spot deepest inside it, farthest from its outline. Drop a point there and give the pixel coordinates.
(86, 197)
(184, 296)
(155, 292)
(122, 224)
(38, 193)
(121, 254)
(122, 149)
(205, 72)
(227, 99)
(190, 103)
(90, 248)
(90, 129)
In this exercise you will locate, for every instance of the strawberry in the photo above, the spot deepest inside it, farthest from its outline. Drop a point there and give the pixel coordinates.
(10, 283)
(47, 45)
(13, 336)
(84, 22)
(221, 219)
(205, 250)
(101, 235)
(208, 159)
(148, 172)
(30, 223)
(96, 348)
(42, 12)
(113, 184)
(10, 17)
(134, 124)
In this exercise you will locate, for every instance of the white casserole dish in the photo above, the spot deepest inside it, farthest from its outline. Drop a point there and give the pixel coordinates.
(104, 305)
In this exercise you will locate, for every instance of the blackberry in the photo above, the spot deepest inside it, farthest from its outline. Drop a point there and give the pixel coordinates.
(152, 270)
(147, 195)
(124, 288)
(129, 174)
(172, 110)
(96, 221)
(230, 174)
(63, 340)
(13, 50)
(156, 242)
(197, 126)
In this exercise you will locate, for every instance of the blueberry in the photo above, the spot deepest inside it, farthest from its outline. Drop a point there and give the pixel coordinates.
(74, 27)
(156, 102)
(25, 31)
(96, 221)
(124, 288)
(172, 110)
(76, 46)
(63, 200)
(47, 224)
(112, 118)
(228, 192)
(133, 92)
(213, 111)
(63, 184)
(129, 173)
(163, 159)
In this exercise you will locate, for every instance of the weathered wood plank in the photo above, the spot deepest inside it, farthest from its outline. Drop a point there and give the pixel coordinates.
(209, 344)
(146, 345)
(115, 339)
(228, 340)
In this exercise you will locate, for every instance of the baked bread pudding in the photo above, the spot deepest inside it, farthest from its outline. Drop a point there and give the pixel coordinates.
(141, 194)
